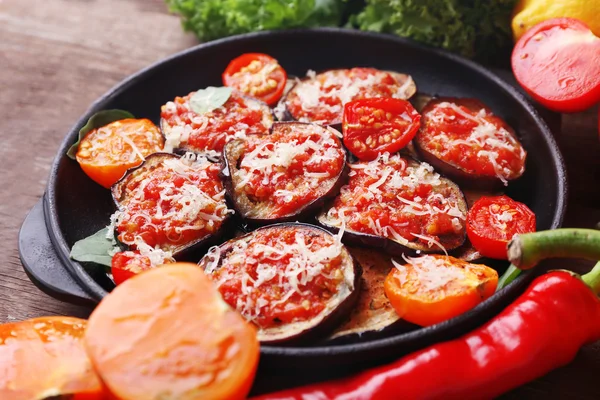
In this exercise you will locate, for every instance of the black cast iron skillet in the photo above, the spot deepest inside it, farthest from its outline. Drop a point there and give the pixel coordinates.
(75, 207)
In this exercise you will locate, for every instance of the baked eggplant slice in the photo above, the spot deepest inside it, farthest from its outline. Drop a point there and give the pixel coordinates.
(465, 141)
(320, 98)
(293, 281)
(206, 133)
(171, 204)
(286, 175)
(399, 205)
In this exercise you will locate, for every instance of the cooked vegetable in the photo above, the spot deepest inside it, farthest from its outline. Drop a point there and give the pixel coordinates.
(126, 264)
(170, 206)
(168, 334)
(378, 125)
(472, 28)
(213, 19)
(258, 75)
(320, 98)
(430, 289)
(558, 63)
(538, 332)
(45, 357)
(204, 123)
(293, 281)
(463, 139)
(493, 221)
(286, 175)
(398, 205)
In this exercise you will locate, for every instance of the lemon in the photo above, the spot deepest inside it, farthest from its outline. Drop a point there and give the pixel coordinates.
(528, 13)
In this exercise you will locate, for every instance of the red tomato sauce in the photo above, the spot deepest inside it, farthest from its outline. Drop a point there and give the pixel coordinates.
(256, 276)
(314, 160)
(322, 98)
(391, 198)
(238, 117)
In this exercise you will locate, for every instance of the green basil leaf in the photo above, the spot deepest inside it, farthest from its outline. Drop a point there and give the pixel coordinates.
(208, 99)
(96, 248)
(98, 120)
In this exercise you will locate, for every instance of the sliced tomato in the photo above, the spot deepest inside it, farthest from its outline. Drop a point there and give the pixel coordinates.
(378, 125)
(558, 63)
(126, 264)
(258, 75)
(106, 153)
(493, 221)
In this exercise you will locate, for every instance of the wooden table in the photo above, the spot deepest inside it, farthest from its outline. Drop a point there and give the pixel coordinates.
(57, 56)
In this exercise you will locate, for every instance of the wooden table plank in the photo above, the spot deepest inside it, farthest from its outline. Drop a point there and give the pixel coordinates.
(57, 56)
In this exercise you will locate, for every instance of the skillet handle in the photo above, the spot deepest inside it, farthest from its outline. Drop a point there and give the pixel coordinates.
(42, 264)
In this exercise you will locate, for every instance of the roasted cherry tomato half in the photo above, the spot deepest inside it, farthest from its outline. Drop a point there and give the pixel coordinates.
(433, 288)
(378, 125)
(493, 221)
(126, 264)
(106, 153)
(258, 75)
(558, 63)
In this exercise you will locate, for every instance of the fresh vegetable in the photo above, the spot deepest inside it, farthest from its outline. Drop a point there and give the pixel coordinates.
(127, 264)
(298, 283)
(528, 13)
(213, 19)
(463, 139)
(493, 221)
(558, 63)
(45, 357)
(286, 175)
(320, 98)
(472, 28)
(433, 288)
(258, 75)
(378, 125)
(541, 330)
(398, 205)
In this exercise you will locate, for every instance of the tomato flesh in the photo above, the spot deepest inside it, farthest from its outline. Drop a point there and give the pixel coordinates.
(378, 125)
(558, 63)
(257, 75)
(493, 221)
(126, 264)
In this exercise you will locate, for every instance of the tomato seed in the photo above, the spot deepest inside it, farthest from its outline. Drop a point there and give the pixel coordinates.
(377, 125)
(388, 116)
(387, 138)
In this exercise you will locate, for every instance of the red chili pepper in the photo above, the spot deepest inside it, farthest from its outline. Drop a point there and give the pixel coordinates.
(543, 329)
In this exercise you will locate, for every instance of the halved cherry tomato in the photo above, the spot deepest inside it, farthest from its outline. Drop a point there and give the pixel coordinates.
(106, 153)
(433, 288)
(258, 75)
(493, 221)
(168, 334)
(126, 264)
(378, 125)
(558, 63)
(45, 357)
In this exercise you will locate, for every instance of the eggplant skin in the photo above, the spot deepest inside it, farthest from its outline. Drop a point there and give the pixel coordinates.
(188, 252)
(245, 207)
(339, 306)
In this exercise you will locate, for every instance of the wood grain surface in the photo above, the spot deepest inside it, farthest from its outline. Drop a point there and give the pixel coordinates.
(57, 56)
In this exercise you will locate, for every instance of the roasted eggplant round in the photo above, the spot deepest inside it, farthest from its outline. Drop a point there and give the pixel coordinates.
(465, 141)
(284, 176)
(206, 133)
(320, 98)
(293, 281)
(170, 204)
(399, 205)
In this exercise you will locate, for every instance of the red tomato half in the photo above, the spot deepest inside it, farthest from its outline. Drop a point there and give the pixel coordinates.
(126, 264)
(378, 125)
(258, 75)
(493, 221)
(558, 63)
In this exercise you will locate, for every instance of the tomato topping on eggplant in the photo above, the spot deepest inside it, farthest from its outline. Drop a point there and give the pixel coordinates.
(464, 140)
(286, 175)
(126, 264)
(257, 75)
(169, 206)
(207, 133)
(399, 205)
(378, 125)
(321, 97)
(293, 281)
